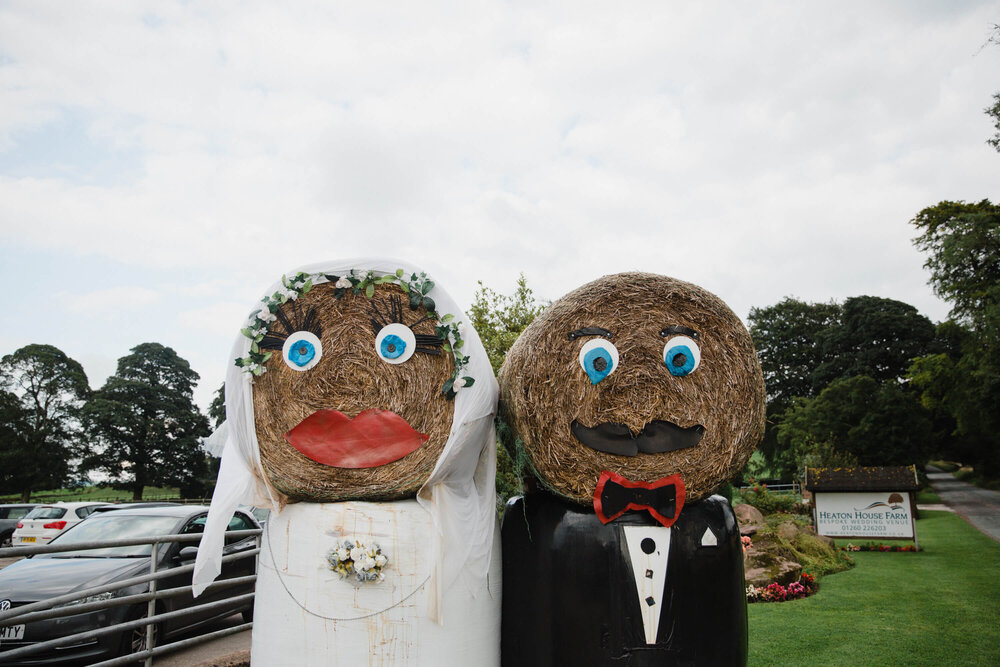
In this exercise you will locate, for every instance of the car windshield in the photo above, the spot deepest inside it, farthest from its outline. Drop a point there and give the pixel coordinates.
(46, 513)
(113, 526)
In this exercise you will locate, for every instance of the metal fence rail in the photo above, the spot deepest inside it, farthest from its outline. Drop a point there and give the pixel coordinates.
(57, 607)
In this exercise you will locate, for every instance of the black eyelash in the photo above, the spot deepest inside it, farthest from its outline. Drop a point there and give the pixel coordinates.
(426, 343)
(275, 340)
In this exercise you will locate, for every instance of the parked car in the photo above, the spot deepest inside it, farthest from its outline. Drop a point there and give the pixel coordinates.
(259, 513)
(9, 516)
(49, 575)
(44, 522)
(128, 506)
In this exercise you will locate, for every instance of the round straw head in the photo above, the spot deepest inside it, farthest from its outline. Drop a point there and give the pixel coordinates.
(340, 367)
(636, 374)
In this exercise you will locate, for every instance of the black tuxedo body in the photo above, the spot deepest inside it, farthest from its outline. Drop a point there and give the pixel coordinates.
(569, 596)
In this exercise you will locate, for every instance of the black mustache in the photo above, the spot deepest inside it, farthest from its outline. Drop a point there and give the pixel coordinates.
(656, 437)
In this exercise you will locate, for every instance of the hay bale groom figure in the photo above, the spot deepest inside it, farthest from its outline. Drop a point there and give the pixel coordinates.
(631, 400)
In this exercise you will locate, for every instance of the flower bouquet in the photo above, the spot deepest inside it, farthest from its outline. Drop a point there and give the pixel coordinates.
(357, 559)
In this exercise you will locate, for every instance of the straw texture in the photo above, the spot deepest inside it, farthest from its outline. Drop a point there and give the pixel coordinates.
(543, 387)
(351, 377)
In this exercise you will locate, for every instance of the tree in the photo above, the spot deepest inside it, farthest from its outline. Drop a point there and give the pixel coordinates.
(804, 347)
(40, 431)
(217, 408)
(994, 113)
(858, 420)
(963, 245)
(500, 319)
(785, 336)
(875, 337)
(15, 452)
(147, 426)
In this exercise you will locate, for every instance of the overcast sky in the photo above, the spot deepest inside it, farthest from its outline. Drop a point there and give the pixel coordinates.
(161, 163)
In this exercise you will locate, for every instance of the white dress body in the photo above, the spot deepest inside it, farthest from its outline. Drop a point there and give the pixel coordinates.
(305, 614)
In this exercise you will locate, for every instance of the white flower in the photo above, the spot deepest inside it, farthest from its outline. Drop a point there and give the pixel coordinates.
(356, 554)
(343, 283)
(343, 554)
(289, 293)
(380, 560)
(265, 315)
(458, 384)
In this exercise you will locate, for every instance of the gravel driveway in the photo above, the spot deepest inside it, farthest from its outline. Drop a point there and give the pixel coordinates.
(980, 507)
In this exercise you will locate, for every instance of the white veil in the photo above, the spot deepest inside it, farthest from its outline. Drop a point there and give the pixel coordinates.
(459, 494)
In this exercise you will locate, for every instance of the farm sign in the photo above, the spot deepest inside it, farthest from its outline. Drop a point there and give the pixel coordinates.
(866, 502)
(877, 514)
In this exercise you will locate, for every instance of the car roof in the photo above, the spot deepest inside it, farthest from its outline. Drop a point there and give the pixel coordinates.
(68, 506)
(179, 511)
(117, 507)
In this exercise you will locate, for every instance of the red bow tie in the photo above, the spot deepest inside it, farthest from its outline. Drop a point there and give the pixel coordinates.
(615, 495)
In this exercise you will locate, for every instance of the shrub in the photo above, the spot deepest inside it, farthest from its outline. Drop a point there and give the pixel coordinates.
(768, 502)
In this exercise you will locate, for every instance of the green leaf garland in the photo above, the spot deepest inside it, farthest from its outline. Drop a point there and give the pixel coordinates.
(416, 286)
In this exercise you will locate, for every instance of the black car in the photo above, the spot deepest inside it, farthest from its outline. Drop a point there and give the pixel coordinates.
(46, 576)
(9, 516)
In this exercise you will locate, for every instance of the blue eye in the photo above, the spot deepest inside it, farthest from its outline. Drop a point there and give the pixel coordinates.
(599, 359)
(395, 343)
(681, 355)
(302, 351)
(392, 347)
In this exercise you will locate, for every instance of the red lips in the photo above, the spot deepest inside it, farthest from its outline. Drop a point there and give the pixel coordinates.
(373, 438)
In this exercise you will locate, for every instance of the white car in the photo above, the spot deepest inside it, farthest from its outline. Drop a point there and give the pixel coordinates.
(44, 522)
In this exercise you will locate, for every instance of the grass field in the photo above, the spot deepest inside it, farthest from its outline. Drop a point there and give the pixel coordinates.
(927, 497)
(936, 607)
(93, 493)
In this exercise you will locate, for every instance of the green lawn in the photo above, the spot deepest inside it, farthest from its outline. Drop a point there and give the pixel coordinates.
(936, 607)
(93, 493)
(927, 497)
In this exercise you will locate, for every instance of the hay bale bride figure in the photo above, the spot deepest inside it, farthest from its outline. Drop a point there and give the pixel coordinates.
(359, 408)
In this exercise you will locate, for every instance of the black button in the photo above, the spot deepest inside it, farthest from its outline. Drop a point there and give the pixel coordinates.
(647, 545)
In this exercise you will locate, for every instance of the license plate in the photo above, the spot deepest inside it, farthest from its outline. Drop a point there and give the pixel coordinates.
(27, 539)
(11, 632)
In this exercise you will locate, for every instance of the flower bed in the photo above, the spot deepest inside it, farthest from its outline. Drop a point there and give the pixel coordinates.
(775, 592)
(878, 547)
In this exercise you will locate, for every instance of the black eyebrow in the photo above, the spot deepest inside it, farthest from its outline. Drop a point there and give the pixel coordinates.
(679, 329)
(589, 331)
(426, 343)
(299, 321)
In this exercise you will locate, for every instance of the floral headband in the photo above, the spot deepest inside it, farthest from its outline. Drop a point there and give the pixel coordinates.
(446, 330)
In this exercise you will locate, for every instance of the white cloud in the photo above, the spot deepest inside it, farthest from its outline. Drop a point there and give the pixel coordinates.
(118, 299)
(759, 150)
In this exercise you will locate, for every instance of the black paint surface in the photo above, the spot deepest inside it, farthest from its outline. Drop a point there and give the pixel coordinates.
(569, 597)
(656, 437)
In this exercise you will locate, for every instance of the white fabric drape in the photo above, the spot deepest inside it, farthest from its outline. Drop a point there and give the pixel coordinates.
(459, 494)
